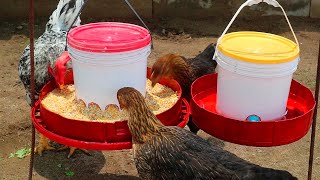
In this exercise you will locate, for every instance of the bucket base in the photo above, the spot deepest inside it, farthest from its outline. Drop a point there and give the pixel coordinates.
(296, 124)
(37, 122)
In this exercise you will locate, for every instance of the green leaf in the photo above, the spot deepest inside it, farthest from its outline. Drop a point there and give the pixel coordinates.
(21, 153)
(69, 173)
(11, 155)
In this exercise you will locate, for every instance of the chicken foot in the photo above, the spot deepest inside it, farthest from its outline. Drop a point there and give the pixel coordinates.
(43, 145)
(72, 150)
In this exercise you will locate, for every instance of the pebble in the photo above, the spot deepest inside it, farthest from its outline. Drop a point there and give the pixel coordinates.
(19, 27)
(163, 31)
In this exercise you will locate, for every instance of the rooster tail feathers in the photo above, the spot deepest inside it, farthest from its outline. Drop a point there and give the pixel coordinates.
(62, 18)
(208, 52)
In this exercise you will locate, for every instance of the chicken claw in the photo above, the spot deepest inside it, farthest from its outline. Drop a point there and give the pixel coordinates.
(72, 150)
(43, 145)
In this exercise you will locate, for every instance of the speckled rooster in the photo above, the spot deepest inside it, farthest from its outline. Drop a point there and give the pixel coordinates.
(167, 152)
(48, 48)
(184, 71)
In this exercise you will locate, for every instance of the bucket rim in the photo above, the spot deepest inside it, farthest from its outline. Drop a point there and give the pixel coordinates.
(250, 50)
(109, 59)
(108, 37)
(254, 69)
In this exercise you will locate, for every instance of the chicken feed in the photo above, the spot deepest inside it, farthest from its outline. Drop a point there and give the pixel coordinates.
(63, 102)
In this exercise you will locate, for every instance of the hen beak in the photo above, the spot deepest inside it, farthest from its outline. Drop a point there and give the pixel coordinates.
(61, 86)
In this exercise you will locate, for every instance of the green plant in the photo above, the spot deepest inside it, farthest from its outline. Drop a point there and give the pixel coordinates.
(69, 173)
(21, 153)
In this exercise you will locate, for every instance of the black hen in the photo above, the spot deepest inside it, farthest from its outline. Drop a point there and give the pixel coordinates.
(184, 71)
(48, 47)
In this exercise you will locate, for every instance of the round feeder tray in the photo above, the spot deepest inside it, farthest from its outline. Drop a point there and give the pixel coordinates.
(101, 131)
(95, 134)
(38, 123)
(291, 128)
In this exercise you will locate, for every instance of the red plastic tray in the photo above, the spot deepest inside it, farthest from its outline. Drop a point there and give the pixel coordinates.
(298, 120)
(38, 123)
(102, 131)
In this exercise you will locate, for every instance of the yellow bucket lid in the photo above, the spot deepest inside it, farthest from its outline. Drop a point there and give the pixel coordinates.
(258, 47)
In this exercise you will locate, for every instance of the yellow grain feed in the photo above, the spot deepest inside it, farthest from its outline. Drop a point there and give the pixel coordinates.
(64, 102)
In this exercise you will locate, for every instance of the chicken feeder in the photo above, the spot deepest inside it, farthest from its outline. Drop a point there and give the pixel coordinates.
(107, 56)
(255, 71)
(292, 127)
(250, 101)
(99, 135)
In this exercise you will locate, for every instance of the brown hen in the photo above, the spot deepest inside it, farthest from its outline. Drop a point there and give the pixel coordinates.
(184, 71)
(167, 152)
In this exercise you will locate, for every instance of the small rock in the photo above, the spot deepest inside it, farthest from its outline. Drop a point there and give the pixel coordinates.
(19, 27)
(163, 31)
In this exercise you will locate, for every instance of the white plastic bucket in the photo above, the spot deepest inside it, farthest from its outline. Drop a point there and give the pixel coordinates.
(100, 71)
(254, 76)
(245, 89)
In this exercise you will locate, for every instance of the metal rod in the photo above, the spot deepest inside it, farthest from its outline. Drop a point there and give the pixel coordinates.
(152, 9)
(314, 122)
(32, 80)
(144, 24)
(310, 4)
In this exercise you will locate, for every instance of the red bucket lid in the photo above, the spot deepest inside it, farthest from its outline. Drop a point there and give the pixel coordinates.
(108, 37)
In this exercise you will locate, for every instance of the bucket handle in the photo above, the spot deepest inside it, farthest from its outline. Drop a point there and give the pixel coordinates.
(274, 3)
(131, 8)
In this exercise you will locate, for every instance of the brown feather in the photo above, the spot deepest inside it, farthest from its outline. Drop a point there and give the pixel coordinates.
(166, 152)
(184, 70)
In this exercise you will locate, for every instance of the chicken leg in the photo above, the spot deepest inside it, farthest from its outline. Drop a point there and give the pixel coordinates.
(193, 128)
(43, 145)
(72, 150)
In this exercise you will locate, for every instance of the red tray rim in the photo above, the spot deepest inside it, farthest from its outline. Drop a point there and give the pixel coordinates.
(275, 140)
(178, 93)
(185, 113)
(261, 122)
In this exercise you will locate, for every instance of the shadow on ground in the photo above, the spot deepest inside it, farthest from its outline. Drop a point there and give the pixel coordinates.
(55, 165)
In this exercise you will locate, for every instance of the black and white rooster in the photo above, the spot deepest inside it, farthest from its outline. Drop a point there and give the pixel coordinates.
(48, 48)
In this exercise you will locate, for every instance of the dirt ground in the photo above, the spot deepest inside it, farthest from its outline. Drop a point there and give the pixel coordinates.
(183, 36)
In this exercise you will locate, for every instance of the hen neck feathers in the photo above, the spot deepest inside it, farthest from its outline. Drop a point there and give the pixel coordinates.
(142, 123)
(184, 75)
(64, 15)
